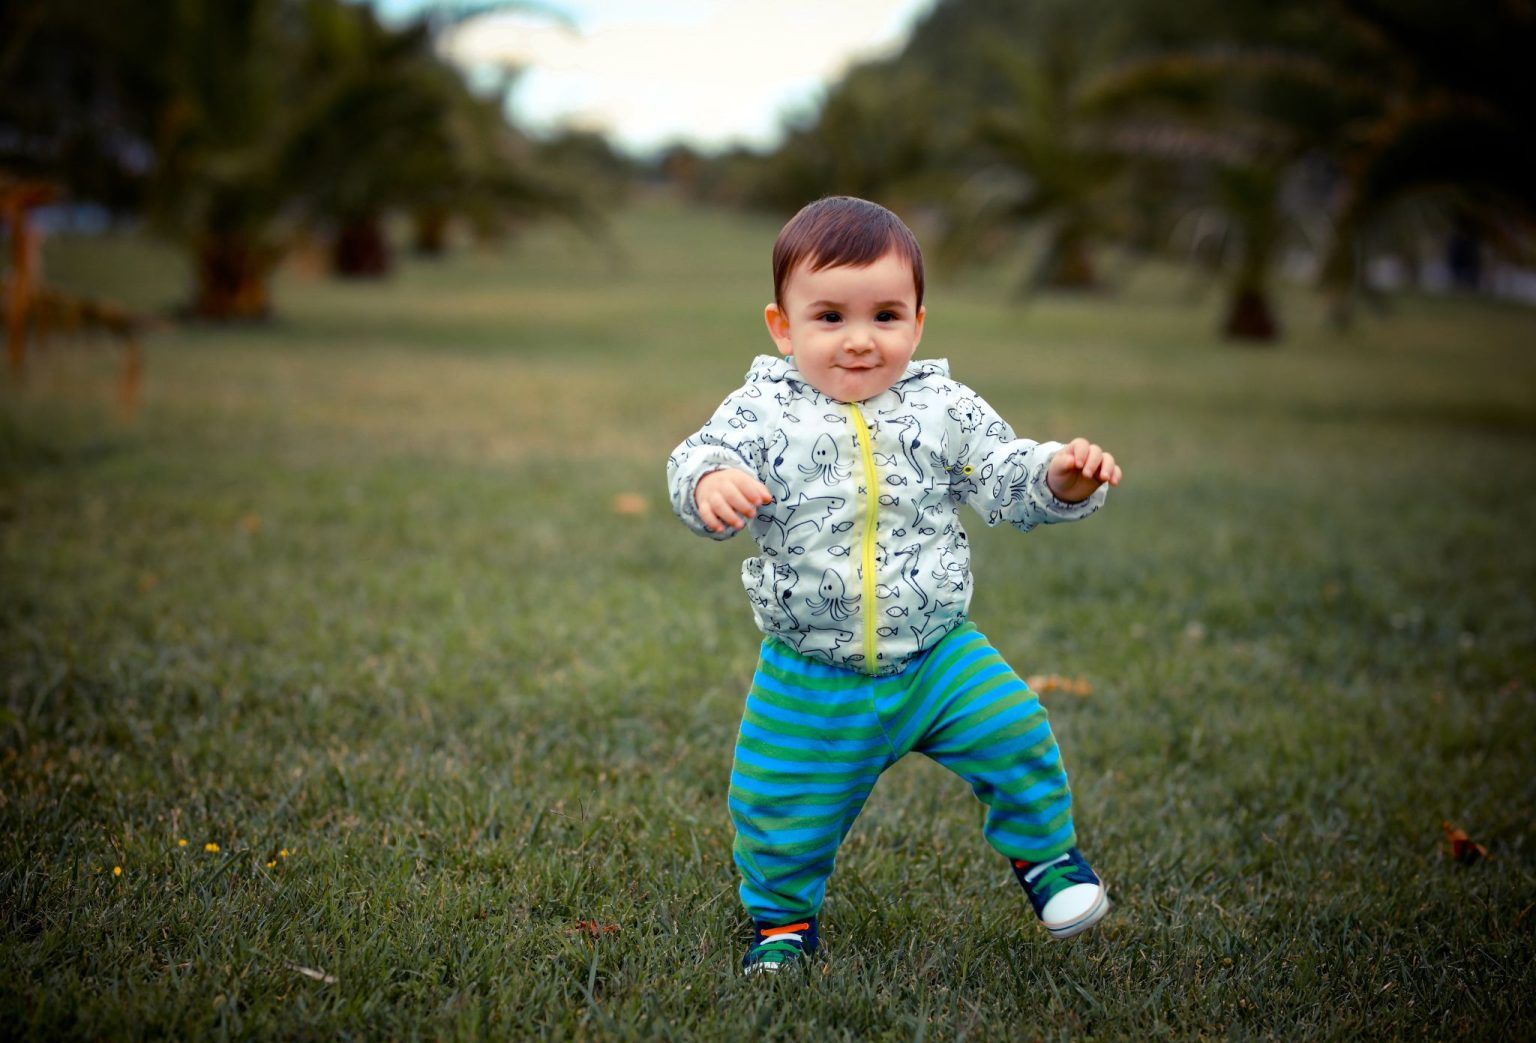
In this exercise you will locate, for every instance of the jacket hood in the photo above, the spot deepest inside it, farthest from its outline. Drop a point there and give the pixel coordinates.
(782, 368)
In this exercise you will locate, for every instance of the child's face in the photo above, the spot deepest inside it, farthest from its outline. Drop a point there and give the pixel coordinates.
(851, 331)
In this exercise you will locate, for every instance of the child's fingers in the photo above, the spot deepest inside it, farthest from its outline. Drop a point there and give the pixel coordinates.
(739, 503)
(716, 513)
(1092, 460)
(1106, 467)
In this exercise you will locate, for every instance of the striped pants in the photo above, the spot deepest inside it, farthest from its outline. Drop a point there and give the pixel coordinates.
(815, 738)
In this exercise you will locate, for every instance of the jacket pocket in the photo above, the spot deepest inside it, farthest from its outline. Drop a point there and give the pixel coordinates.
(770, 586)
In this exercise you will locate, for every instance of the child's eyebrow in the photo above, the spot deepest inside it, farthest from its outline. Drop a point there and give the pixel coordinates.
(894, 303)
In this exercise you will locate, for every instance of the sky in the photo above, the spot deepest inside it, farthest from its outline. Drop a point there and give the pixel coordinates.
(652, 72)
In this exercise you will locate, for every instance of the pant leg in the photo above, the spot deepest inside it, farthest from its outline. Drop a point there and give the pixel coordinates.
(977, 718)
(809, 751)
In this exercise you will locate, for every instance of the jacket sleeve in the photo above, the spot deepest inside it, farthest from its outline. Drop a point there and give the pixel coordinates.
(733, 437)
(1002, 476)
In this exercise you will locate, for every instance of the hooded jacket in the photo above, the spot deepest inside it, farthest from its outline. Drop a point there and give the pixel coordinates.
(863, 562)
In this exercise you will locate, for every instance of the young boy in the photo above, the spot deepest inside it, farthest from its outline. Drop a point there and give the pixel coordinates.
(848, 462)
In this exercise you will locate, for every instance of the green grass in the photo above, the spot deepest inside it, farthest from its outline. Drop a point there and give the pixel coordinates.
(352, 585)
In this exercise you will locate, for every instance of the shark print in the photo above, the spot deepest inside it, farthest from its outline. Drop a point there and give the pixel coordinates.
(935, 446)
(803, 512)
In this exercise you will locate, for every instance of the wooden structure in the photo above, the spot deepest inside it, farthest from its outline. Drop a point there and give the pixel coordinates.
(37, 311)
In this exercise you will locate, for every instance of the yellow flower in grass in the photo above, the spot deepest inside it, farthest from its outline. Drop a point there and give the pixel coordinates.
(272, 864)
(117, 870)
(182, 842)
(283, 853)
(211, 847)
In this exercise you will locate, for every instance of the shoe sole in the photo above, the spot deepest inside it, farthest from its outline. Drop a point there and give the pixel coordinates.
(1094, 914)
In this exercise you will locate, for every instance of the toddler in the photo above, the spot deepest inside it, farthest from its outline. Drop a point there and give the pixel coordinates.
(848, 462)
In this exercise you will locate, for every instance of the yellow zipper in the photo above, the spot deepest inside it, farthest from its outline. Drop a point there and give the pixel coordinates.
(871, 517)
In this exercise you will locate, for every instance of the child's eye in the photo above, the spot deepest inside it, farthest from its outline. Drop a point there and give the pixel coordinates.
(831, 316)
(886, 316)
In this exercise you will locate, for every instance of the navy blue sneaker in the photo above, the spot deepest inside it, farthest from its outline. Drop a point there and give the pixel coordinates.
(776, 947)
(1067, 894)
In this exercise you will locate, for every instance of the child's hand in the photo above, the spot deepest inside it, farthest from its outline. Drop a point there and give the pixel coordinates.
(729, 497)
(1078, 469)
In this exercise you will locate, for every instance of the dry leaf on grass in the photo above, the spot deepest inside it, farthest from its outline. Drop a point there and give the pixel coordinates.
(1043, 684)
(592, 928)
(1463, 848)
(629, 503)
(310, 972)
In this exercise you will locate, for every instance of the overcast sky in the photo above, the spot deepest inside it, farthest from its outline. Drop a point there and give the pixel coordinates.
(710, 72)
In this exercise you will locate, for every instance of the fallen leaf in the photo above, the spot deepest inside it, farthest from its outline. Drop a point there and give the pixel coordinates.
(593, 929)
(310, 972)
(251, 523)
(629, 503)
(1463, 848)
(1044, 684)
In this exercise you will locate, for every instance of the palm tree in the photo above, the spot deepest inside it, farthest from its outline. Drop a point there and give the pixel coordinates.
(235, 124)
(1043, 166)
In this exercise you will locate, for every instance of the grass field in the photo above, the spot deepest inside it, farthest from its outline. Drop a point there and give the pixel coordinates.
(351, 600)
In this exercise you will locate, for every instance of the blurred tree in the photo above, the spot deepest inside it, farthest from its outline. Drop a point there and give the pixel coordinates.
(232, 124)
(1043, 165)
(1402, 100)
(1455, 127)
(873, 136)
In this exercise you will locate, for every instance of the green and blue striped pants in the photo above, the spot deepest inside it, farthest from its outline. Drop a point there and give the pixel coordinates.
(815, 738)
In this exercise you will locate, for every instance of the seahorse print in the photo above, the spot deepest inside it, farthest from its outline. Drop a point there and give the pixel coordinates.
(776, 483)
(910, 572)
(910, 436)
(784, 579)
(824, 465)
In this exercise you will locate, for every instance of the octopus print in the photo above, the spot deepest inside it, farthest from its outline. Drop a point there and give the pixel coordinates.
(824, 463)
(835, 601)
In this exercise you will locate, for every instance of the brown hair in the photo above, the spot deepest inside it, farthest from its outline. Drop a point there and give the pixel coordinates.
(840, 231)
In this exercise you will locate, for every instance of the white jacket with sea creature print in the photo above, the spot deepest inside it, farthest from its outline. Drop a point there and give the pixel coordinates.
(863, 559)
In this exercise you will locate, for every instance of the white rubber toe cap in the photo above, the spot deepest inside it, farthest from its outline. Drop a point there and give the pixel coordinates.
(1071, 906)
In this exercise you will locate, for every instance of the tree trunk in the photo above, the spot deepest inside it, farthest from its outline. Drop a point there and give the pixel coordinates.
(361, 249)
(431, 233)
(1250, 317)
(232, 277)
(1069, 265)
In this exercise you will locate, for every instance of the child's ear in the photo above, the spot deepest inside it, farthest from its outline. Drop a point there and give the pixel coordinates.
(922, 313)
(778, 328)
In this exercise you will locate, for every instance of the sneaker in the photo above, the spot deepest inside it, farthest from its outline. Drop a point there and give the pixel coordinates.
(774, 948)
(1067, 895)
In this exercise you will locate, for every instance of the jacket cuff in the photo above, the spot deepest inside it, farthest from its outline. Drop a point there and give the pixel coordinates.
(705, 459)
(1058, 510)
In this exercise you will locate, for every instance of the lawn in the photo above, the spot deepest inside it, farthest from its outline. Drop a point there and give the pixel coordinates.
(342, 698)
